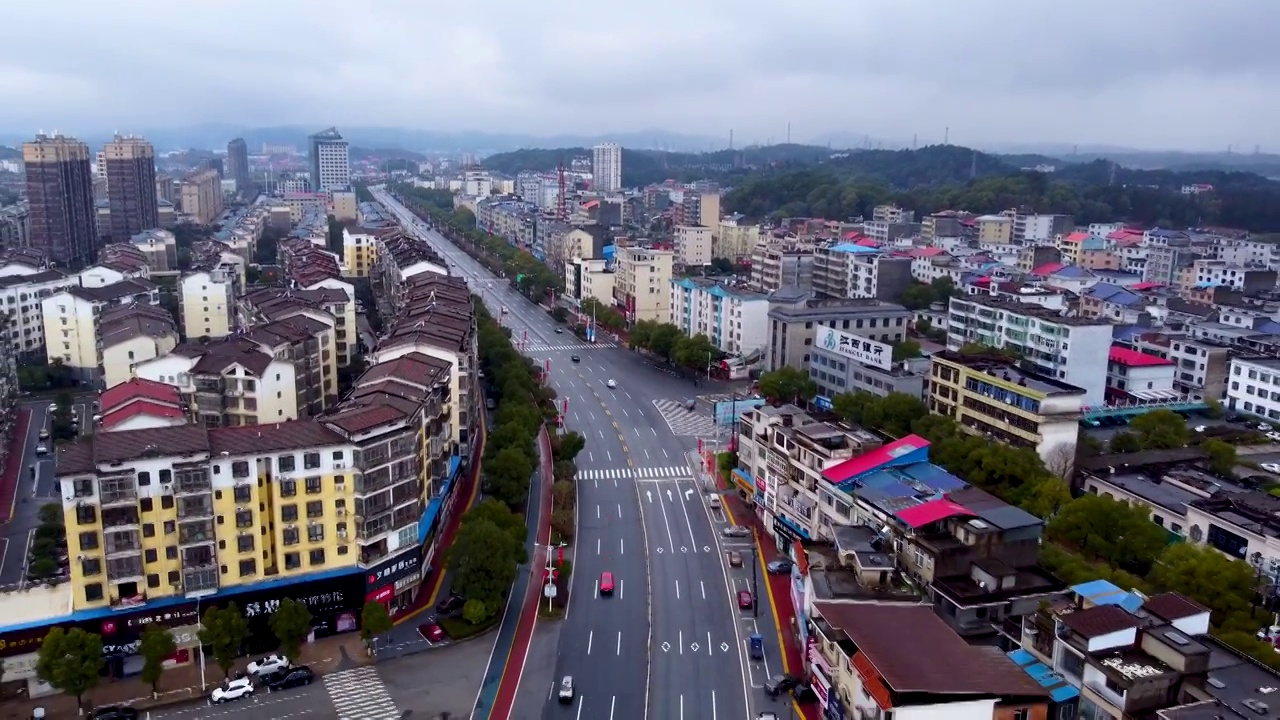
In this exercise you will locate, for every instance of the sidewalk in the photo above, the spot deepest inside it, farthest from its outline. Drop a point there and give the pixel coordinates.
(182, 684)
(779, 594)
(13, 468)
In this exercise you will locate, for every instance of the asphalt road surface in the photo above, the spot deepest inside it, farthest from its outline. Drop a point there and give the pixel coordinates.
(669, 641)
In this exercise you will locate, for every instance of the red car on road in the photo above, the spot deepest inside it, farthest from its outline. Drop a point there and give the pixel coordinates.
(745, 601)
(606, 583)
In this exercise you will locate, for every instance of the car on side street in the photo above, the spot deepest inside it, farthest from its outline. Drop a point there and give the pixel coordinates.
(42, 449)
(611, 383)
(745, 601)
(779, 684)
(451, 604)
(268, 663)
(114, 712)
(296, 676)
(736, 531)
(233, 689)
(431, 632)
(575, 358)
(778, 567)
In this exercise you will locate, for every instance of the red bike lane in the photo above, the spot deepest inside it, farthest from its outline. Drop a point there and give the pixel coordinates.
(13, 466)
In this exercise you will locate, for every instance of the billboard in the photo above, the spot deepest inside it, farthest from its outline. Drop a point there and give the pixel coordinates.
(855, 347)
(728, 412)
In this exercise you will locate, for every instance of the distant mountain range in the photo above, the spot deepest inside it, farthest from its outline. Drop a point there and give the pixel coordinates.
(214, 136)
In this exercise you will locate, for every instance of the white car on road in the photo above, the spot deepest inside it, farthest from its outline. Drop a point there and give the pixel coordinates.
(233, 690)
(1271, 467)
(611, 384)
(270, 663)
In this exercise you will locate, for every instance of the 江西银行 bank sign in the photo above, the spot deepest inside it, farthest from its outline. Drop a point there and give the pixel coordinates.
(855, 347)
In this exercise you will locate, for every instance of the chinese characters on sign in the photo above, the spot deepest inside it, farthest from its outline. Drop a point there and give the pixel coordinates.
(392, 571)
(855, 347)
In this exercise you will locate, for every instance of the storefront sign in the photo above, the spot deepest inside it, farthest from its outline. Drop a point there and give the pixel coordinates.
(381, 595)
(408, 581)
(22, 667)
(168, 617)
(185, 636)
(854, 347)
(388, 572)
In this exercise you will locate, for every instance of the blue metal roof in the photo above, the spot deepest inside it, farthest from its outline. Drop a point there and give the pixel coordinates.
(853, 248)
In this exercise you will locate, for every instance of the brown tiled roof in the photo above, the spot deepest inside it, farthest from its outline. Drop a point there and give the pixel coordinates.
(44, 276)
(417, 368)
(913, 650)
(1100, 620)
(136, 320)
(138, 389)
(1173, 606)
(272, 437)
(221, 356)
(133, 444)
(114, 291)
(358, 419)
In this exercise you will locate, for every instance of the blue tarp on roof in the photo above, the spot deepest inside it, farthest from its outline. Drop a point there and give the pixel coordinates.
(853, 248)
(1059, 689)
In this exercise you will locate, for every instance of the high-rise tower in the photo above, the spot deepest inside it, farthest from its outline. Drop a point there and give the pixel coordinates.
(131, 186)
(606, 167)
(238, 166)
(60, 193)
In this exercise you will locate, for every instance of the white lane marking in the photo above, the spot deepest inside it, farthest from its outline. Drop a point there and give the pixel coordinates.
(614, 698)
(646, 453)
(713, 705)
(598, 541)
(579, 715)
(619, 651)
(620, 586)
(704, 589)
(619, 510)
(677, 589)
(601, 434)
(576, 418)
(593, 415)
(684, 506)
(597, 512)
(610, 454)
(591, 457)
(596, 594)
(709, 652)
(681, 707)
(637, 431)
(621, 546)
(667, 454)
(591, 636)
(655, 433)
(680, 642)
(624, 392)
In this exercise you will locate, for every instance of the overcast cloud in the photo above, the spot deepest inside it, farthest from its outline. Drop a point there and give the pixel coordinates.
(1138, 73)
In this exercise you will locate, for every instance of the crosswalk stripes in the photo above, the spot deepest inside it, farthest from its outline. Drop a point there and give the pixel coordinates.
(543, 347)
(358, 694)
(684, 421)
(641, 473)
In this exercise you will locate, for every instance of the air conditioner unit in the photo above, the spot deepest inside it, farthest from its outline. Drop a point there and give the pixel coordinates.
(342, 512)
(342, 534)
(339, 466)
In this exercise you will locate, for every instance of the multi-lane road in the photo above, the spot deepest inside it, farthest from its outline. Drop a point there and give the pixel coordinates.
(670, 642)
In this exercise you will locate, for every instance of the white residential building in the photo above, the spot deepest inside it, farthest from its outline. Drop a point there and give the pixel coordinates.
(71, 320)
(1253, 387)
(20, 298)
(209, 303)
(735, 321)
(606, 167)
(693, 245)
(642, 283)
(130, 335)
(1070, 349)
(261, 385)
(589, 279)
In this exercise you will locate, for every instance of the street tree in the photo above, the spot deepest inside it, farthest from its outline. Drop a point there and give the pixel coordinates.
(156, 646)
(569, 445)
(502, 517)
(1124, 442)
(1160, 430)
(1101, 527)
(906, 350)
(484, 559)
(292, 624)
(507, 476)
(223, 631)
(374, 621)
(1223, 585)
(519, 412)
(697, 352)
(1222, 456)
(1061, 461)
(510, 435)
(50, 514)
(787, 384)
(71, 661)
(1047, 498)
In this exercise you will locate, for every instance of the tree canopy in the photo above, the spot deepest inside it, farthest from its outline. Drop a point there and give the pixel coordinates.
(787, 384)
(71, 661)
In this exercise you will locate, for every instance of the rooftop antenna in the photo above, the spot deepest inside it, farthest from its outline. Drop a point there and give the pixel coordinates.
(946, 136)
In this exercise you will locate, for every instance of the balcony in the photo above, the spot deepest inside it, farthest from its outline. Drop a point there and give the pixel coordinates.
(190, 482)
(195, 532)
(121, 517)
(125, 569)
(118, 492)
(199, 579)
(193, 508)
(122, 542)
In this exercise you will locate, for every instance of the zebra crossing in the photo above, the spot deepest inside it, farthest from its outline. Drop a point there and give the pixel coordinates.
(672, 472)
(358, 694)
(544, 347)
(684, 421)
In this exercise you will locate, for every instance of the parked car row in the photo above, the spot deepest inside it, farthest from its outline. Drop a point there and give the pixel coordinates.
(274, 672)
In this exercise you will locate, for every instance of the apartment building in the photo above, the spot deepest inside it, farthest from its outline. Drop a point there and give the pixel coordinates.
(1134, 376)
(606, 167)
(842, 362)
(782, 453)
(693, 245)
(190, 511)
(775, 265)
(200, 197)
(992, 396)
(1069, 349)
(132, 334)
(435, 318)
(589, 279)
(15, 225)
(736, 238)
(327, 307)
(209, 301)
(929, 264)
(329, 157)
(994, 229)
(1041, 228)
(62, 220)
(794, 315)
(238, 167)
(159, 248)
(564, 243)
(1253, 387)
(360, 252)
(1034, 256)
(866, 662)
(21, 296)
(116, 263)
(232, 383)
(131, 181)
(736, 321)
(699, 206)
(642, 283)
(1202, 366)
(399, 258)
(1217, 273)
(71, 322)
(948, 223)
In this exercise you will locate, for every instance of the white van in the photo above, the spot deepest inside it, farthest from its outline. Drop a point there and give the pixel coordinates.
(714, 502)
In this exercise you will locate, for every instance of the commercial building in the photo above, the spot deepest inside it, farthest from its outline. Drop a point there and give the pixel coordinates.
(131, 182)
(994, 397)
(330, 162)
(1069, 349)
(72, 322)
(1253, 387)
(62, 219)
(736, 321)
(844, 362)
(794, 314)
(200, 197)
(238, 167)
(606, 167)
(642, 283)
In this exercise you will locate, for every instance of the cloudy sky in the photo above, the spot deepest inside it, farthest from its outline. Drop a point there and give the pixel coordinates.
(1137, 73)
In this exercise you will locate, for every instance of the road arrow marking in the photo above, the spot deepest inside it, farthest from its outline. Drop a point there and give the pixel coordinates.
(670, 497)
(724, 646)
(649, 495)
(666, 647)
(688, 494)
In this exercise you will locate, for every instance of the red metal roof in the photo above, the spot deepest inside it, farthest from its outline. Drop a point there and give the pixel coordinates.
(920, 515)
(143, 407)
(1048, 269)
(136, 389)
(1145, 286)
(867, 242)
(1133, 358)
(865, 463)
(872, 682)
(1076, 237)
